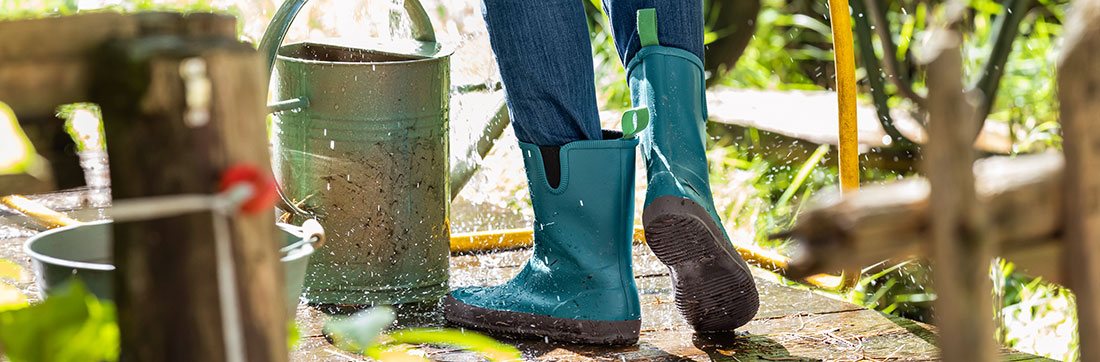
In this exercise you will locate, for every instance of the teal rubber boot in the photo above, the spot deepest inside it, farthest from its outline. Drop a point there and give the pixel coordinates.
(578, 285)
(714, 288)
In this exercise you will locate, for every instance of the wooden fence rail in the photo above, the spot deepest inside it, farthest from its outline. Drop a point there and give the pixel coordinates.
(1041, 211)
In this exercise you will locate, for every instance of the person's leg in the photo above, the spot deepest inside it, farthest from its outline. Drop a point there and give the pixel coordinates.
(545, 59)
(578, 285)
(663, 50)
(679, 25)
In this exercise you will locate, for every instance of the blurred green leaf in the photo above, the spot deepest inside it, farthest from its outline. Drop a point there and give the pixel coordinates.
(10, 270)
(470, 341)
(70, 326)
(361, 330)
(11, 297)
(362, 333)
(17, 155)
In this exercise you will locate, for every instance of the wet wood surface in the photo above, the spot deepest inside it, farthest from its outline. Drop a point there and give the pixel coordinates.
(794, 324)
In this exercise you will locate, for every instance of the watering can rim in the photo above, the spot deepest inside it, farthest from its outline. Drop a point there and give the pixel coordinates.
(273, 36)
(306, 230)
(441, 51)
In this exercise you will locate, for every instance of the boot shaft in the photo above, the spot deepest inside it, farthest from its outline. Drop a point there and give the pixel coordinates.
(588, 219)
(669, 82)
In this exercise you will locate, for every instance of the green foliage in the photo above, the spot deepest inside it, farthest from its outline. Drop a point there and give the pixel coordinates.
(1026, 99)
(363, 333)
(71, 325)
(902, 289)
(29, 9)
(611, 87)
(470, 341)
(83, 122)
(361, 330)
(18, 154)
(293, 335)
(790, 50)
(779, 190)
(10, 295)
(1035, 315)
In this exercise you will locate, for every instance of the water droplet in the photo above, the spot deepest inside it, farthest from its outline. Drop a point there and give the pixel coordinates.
(332, 144)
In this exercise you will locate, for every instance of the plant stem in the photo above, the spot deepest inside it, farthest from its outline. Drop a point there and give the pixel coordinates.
(874, 77)
(889, 53)
(803, 172)
(1005, 28)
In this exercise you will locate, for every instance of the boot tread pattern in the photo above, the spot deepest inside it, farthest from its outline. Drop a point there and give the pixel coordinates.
(713, 293)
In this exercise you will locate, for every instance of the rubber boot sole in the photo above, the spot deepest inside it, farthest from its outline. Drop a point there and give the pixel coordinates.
(526, 325)
(714, 289)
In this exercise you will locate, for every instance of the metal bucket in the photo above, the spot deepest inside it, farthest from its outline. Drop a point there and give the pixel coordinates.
(361, 138)
(84, 252)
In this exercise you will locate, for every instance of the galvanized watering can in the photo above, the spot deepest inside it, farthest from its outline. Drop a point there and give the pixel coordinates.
(361, 139)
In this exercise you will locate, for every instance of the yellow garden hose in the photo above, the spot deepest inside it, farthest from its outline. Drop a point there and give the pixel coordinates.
(844, 59)
(519, 238)
(846, 94)
(38, 214)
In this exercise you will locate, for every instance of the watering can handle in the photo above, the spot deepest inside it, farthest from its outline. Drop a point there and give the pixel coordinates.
(273, 37)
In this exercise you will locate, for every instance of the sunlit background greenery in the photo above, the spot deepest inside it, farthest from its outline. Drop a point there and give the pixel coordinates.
(791, 50)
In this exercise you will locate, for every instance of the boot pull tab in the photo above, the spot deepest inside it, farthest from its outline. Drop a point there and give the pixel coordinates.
(634, 121)
(647, 27)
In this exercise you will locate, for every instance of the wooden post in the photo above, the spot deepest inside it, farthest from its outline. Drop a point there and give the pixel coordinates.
(1079, 93)
(961, 243)
(153, 90)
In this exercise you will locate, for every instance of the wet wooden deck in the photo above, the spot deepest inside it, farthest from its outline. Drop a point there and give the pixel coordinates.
(793, 324)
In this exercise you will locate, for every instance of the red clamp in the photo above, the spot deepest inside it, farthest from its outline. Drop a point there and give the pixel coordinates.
(263, 185)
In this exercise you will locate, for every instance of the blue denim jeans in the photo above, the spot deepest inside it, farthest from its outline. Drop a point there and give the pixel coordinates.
(545, 58)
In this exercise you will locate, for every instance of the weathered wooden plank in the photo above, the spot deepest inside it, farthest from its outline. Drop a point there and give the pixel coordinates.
(960, 240)
(1039, 260)
(1022, 195)
(180, 108)
(1079, 95)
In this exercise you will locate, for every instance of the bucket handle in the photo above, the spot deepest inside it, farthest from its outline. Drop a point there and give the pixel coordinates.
(273, 37)
(311, 232)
